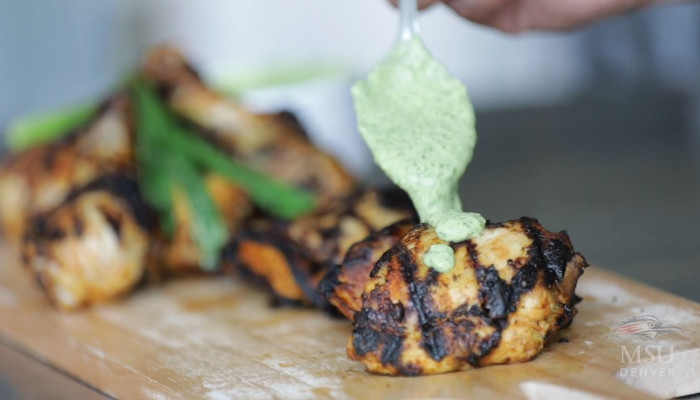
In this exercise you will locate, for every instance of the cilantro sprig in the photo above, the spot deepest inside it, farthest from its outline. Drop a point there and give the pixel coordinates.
(29, 130)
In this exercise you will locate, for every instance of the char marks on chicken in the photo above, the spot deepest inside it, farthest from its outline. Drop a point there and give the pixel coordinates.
(344, 283)
(292, 257)
(40, 178)
(511, 287)
(94, 246)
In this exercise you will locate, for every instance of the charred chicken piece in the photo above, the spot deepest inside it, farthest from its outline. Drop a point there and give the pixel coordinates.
(344, 283)
(274, 144)
(93, 247)
(291, 258)
(328, 235)
(40, 178)
(510, 288)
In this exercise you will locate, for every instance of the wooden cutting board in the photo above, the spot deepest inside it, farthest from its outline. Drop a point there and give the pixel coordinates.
(217, 338)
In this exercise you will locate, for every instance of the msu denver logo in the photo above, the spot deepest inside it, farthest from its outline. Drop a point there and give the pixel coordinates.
(648, 326)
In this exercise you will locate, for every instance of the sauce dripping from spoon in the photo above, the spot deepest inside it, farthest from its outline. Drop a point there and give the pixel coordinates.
(419, 123)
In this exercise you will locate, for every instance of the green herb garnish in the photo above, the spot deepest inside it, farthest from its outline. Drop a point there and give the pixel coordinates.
(170, 156)
(276, 198)
(28, 130)
(208, 228)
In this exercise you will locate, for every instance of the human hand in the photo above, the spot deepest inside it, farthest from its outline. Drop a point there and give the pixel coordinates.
(520, 15)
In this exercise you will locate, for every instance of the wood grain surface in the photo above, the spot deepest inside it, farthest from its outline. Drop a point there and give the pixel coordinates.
(217, 338)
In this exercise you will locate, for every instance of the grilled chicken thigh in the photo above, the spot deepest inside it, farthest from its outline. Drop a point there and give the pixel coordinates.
(510, 288)
(291, 258)
(40, 178)
(93, 247)
(273, 144)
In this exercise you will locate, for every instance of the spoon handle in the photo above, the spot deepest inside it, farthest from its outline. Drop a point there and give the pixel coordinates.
(409, 20)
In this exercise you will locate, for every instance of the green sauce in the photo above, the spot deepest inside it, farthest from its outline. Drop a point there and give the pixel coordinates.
(440, 257)
(419, 123)
(457, 226)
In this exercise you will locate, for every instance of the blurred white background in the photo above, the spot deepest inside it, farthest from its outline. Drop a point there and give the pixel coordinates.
(53, 52)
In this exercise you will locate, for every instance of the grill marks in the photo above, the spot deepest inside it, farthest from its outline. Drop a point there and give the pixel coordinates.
(380, 324)
(493, 298)
(312, 248)
(378, 327)
(553, 254)
(434, 342)
(469, 332)
(418, 290)
(84, 223)
(493, 293)
(295, 262)
(124, 187)
(343, 285)
(393, 347)
(473, 253)
(556, 255)
(485, 347)
(365, 339)
(299, 260)
(523, 282)
(45, 230)
(433, 338)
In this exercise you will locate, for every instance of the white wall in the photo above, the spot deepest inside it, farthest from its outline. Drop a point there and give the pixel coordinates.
(52, 52)
(497, 68)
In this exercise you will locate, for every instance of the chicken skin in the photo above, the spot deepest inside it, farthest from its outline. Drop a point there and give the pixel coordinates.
(41, 177)
(344, 283)
(510, 288)
(274, 144)
(93, 247)
(291, 258)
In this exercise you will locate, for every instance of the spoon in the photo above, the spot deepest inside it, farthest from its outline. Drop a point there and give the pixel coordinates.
(408, 23)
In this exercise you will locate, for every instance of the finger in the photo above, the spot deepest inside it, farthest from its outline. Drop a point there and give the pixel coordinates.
(504, 15)
(476, 10)
(421, 3)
